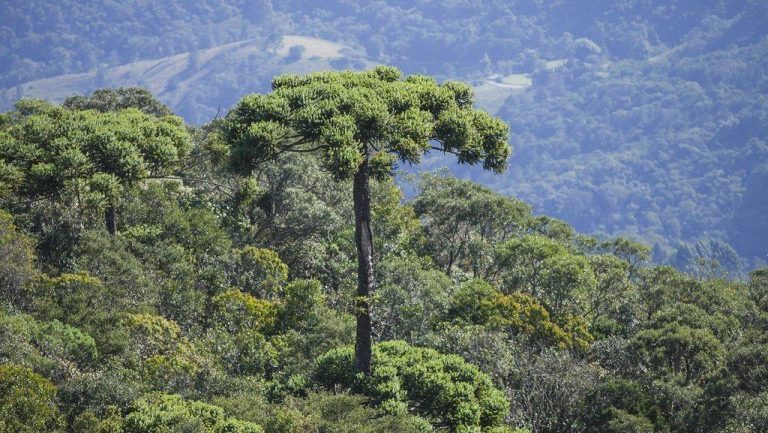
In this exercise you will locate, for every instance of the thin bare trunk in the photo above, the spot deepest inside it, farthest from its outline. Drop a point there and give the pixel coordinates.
(365, 279)
(109, 218)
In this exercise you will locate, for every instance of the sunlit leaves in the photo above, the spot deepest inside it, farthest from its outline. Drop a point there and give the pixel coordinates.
(160, 413)
(442, 388)
(59, 147)
(346, 114)
(27, 401)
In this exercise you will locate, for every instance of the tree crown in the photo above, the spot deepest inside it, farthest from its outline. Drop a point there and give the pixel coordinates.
(45, 146)
(377, 113)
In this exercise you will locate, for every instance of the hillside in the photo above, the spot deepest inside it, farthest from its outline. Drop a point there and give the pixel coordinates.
(626, 119)
(178, 78)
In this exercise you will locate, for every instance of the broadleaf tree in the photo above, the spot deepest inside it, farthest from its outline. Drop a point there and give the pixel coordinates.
(363, 124)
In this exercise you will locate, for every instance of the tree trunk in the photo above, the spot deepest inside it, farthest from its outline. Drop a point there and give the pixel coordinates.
(109, 218)
(361, 191)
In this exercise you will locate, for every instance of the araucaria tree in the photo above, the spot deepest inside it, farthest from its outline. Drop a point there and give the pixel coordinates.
(48, 151)
(363, 123)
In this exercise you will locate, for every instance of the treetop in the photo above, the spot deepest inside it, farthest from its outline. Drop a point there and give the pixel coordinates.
(377, 113)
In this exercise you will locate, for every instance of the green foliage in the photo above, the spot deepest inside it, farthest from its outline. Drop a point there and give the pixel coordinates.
(102, 394)
(157, 350)
(522, 260)
(634, 253)
(623, 422)
(621, 405)
(60, 340)
(259, 271)
(610, 304)
(236, 311)
(89, 156)
(70, 297)
(89, 422)
(397, 228)
(126, 281)
(477, 302)
(302, 213)
(565, 280)
(549, 390)
(464, 220)
(52, 348)
(680, 350)
(245, 353)
(443, 388)
(27, 401)
(411, 298)
(758, 288)
(16, 268)
(343, 413)
(170, 413)
(127, 145)
(168, 212)
(106, 100)
(302, 304)
(153, 334)
(342, 113)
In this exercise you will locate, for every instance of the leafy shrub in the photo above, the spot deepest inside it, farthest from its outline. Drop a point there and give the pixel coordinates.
(259, 271)
(160, 413)
(320, 412)
(153, 334)
(301, 302)
(236, 311)
(342, 413)
(442, 388)
(16, 268)
(26, 401)
(680, 349)
(98, 392)
(58, 339)
(246, 352)
(53, 349)
(90, 422)
(478, 303)
(69, 297)
(158, 350)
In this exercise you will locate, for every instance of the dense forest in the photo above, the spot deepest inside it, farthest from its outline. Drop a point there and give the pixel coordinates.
(632, 118)
(159, 276)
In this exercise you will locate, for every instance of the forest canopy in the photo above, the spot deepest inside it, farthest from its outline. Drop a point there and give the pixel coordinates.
(225, 300)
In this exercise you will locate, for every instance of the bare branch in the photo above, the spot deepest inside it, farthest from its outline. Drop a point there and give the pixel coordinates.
(441, 149)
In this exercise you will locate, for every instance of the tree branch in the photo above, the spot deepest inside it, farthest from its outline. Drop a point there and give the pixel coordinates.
(441, 149)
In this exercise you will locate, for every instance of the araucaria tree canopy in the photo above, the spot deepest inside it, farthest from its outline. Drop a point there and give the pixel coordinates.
(364, 123)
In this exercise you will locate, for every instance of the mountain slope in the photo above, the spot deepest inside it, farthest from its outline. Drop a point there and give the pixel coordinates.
(628, 117)
(173, 79)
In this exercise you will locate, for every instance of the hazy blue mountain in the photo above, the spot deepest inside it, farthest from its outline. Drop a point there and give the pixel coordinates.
(641, 118)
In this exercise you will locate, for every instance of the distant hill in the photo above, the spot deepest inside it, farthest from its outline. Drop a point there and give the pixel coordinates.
(636, 118)
(169, 77)
(173, 79)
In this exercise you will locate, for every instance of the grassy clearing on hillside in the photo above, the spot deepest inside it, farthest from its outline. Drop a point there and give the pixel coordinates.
(157, 75)
(314, 47)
